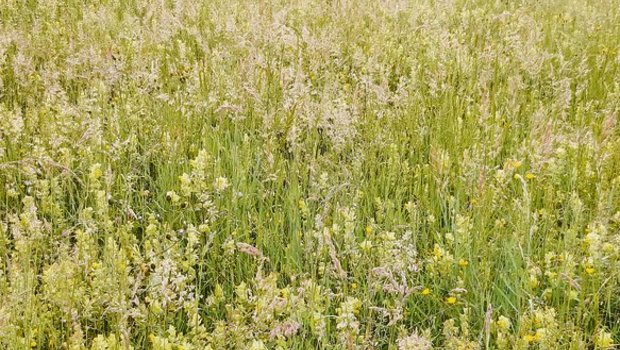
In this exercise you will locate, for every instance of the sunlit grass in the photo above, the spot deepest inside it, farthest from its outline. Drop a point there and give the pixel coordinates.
(309, 174)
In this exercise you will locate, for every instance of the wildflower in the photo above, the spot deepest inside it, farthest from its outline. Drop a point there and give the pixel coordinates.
(410, 207)
(426, 291)
(203, 228)
(368, 230)
(512, 164)
(229, 246)
(317, 324)
(449, 237)
(350, 305)
(173, 197)
(503, 323)
(218, 293)
(530, 176)
(438, 252)
(220, 184)
(12, 193)
(604, 340)
(533, 282)
(151, 229)
(200, 163)
(451, 300)
(286, 329)
(592, 239)
(573, 295)
(346, 321)
(541, 334)
(414, 342)
(608, 248)
(186, 184)
(95, 172)
(366, 245)
(257, 345)
(95, 266)
(463, 263)
(389, 236)
(431, 218)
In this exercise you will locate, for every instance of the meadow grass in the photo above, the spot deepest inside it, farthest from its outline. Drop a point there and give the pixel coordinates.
(315, 174)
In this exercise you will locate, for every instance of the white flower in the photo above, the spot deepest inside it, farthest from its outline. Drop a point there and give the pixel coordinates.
(414, 342)
(220, 184)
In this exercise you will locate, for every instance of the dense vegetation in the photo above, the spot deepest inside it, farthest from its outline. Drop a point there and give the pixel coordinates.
(309, 174)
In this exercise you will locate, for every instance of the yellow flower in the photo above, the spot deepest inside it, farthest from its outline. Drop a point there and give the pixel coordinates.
(463, 263)
(95, 172)
(503, 323)
(590, 270)
(529, 338)
(451, 300)
(608, 248)
(530, 176)
(368, 230)
(540, 334)
(604, 340)
(437, 252)
(426, 291)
